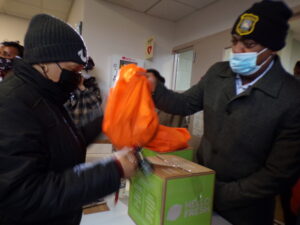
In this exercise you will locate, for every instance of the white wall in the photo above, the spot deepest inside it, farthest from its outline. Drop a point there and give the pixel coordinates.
(12, 28)
(111, 30)
(214, 18)
(286, 53)
(290, 54)
(295, 55)
(76, 13)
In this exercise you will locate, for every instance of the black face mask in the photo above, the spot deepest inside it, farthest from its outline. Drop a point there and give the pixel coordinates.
(5, 65)
(69, 80)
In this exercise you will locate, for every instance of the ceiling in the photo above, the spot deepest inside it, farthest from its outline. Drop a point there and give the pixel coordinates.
(172, 10)
(28, 8)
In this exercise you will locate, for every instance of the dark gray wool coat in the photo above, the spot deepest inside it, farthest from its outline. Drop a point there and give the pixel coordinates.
(251, 140)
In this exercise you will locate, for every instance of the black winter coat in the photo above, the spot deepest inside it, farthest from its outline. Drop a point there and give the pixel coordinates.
(251, 140)
(42, 178)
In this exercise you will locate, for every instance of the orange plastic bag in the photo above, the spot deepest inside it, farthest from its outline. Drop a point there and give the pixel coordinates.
(130, 118)
(169, 139)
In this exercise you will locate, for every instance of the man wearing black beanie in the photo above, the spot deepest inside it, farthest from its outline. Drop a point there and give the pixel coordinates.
(43, 178)
(251, 117)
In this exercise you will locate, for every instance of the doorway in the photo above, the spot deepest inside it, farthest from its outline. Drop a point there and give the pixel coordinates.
(183, 69)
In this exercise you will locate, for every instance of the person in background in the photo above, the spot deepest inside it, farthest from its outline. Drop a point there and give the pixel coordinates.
(8, 51)
(167, 119)
(1, 49)
(297, 70)
(84, 104)
(290, 217)
(43, 177)
(290, 199)
(5, 66)
(295, 195)
(295, 202)
(11, 49)
(251, 117)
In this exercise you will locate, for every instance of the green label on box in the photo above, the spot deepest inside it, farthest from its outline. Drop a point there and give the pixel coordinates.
(189, 200)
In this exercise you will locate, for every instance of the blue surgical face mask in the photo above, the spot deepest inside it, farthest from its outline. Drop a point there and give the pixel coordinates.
(245, 63)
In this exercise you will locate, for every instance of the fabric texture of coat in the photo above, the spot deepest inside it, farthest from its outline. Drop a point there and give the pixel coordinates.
(251, 140)
(42, 176)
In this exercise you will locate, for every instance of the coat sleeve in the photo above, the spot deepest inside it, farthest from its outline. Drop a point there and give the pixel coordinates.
(186, 103)
(280, 170)
(183, 104)
(27, 188)
(92, 129)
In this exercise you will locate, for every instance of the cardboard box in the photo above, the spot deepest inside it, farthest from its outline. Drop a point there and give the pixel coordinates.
(98, 151)
(178, 192)
(186, 153)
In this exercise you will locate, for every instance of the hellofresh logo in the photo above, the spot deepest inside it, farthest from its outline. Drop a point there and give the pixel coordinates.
(174, 212)
(191, 208)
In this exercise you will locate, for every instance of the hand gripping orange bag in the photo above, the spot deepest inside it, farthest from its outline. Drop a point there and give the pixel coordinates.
(130, 118)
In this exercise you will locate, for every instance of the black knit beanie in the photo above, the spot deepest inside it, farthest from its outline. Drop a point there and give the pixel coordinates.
(49, 39)
(266, 22)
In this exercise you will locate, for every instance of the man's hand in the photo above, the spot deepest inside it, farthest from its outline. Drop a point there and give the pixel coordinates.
(128, 161)
(152, 80)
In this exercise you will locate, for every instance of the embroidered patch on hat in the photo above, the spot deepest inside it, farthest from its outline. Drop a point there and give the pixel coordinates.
(246, 24)
(82, 54)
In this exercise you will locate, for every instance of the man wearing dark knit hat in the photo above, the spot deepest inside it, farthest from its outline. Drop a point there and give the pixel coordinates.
(43, 178)
(251, 117)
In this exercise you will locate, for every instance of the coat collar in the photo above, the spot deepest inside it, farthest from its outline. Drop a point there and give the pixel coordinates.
(228, 82)
(270, 84)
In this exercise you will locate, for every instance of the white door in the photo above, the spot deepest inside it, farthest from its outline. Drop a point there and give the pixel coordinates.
(184, 60)
(183, 70)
